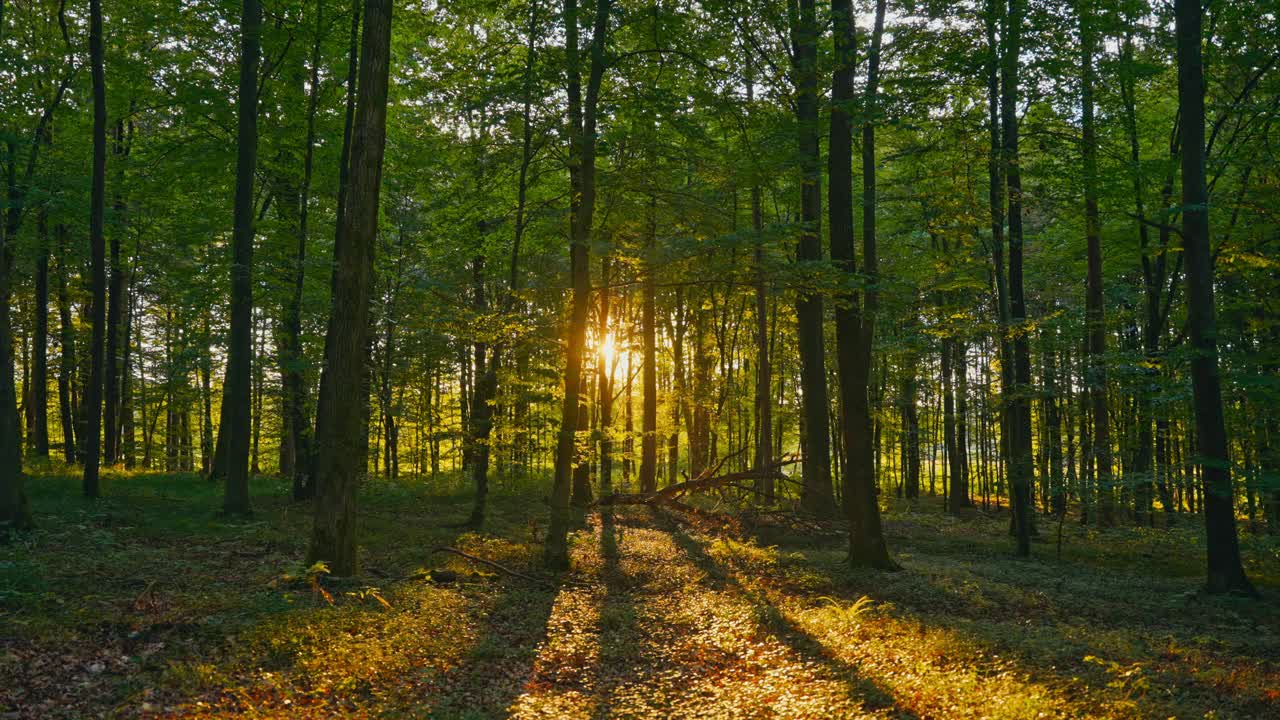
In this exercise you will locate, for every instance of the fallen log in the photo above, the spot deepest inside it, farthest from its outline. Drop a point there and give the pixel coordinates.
(702, 483)
(494, 565)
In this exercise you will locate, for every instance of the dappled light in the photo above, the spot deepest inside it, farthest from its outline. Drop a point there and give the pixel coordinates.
(656, 619)
(643, 359)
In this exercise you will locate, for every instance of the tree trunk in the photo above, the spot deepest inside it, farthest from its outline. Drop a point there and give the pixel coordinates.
(293, 376)
(1225, 572)
(816, 493)
(235, 433)
(1021, 466)
(98, 254)
(39, 380)
(340, 463)
(649, 381)
(67, 391)
(115, 310)
(855, 318)
(604, 383)
(1094, 313)
(480, 421)
(582, 160)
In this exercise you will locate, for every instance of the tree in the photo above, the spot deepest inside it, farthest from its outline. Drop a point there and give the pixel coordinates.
(582, 174)
(1096, 336)
(817, 496)
(856, 317)
(1018, 425)
(1225, 572)
(237, 397)
(340, 456)
(97, 244)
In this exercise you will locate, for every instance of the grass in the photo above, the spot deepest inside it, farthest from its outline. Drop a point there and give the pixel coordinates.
(148, 603)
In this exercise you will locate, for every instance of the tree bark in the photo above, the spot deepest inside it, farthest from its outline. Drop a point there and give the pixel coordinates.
(340, 462)
(98, 252)
(1225, 572)
(236, 429)
(39, 437)
(582, 157)
(816, 494)
(648, 322)
(1021, 465)
(1095, 321)
(856, 317)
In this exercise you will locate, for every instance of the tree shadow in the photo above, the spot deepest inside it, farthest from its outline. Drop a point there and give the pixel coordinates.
(870, 693)
(1063, 623)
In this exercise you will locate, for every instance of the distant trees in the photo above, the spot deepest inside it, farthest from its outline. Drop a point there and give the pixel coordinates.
(981, 352)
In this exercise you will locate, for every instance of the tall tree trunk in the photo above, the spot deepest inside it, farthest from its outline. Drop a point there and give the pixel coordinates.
(98, 253)
(521, 439)
(855, 319)
(582, 159)
(128, 443)
(294, 376)
(340, 462)
(39, 380)
(604, 384)
(1094, 313)
(1021, 465)
(1225, 572)
(649, 381)
(763, 458)
(67, 391)
(115, 308)
(699, 416)
(237, 426)
(480, 421)
(15, 513)
(816, 494)
(910, 425)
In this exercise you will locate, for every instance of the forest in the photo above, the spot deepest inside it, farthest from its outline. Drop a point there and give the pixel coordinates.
(639, 359)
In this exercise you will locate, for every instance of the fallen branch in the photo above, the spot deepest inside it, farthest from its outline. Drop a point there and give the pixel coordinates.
(702, 483)
(492, 564)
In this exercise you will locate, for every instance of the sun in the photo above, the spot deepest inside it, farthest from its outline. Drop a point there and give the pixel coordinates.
(608, 351)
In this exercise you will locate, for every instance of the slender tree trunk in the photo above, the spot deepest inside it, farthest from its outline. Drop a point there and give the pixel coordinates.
(15, 513)
(115, 309)
(340, 463)
(294, 376)
(480, 420)
(98, 252)
(816, 494)
(238, 399)
(1225, 572)
(604, 384)
(128, 443)
(1094, 313)
(1021, 465)
(855, 318)
(66, 352)
(39, 380)
(649, 381)
(582, 158)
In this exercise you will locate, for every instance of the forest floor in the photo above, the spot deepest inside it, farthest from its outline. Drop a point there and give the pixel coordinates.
(146, 603)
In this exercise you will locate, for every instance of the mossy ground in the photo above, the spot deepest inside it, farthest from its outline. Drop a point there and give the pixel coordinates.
(147, 603)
